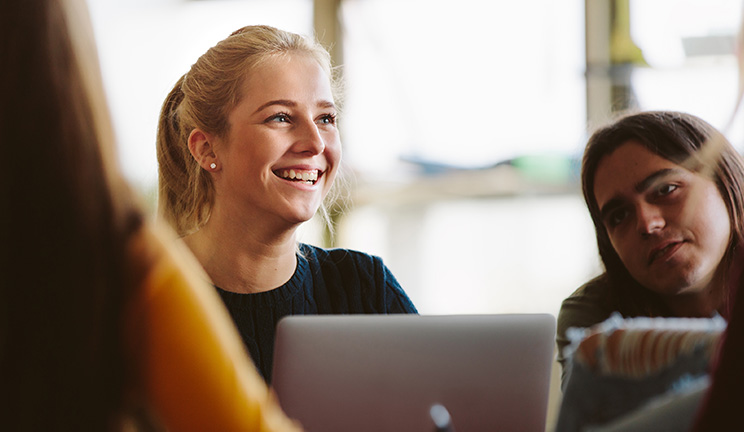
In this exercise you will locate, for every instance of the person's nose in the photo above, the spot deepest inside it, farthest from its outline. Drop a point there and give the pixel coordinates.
(650, 219)
(309, 138)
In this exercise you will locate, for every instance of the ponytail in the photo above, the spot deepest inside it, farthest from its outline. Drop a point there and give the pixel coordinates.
(185, 191)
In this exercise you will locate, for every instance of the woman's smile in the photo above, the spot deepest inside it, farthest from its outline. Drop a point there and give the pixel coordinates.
(299, 175)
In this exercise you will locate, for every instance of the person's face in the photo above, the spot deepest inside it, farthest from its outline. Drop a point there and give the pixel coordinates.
(670, 226)
(283, 148)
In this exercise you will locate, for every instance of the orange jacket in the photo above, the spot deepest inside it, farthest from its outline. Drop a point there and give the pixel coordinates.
(195, 372)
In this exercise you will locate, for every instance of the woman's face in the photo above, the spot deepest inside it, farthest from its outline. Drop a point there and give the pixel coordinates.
(670, 226)
(282, 151)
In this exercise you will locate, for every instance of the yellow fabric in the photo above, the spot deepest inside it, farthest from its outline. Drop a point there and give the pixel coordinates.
(196, 373)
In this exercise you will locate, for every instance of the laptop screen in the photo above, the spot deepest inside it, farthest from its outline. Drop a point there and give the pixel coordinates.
(386, 372)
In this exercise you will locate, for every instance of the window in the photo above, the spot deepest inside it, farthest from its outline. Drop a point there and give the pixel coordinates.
(468, 83)
(689, 47)
(146, 45)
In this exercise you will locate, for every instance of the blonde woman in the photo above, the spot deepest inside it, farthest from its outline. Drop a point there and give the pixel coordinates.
(248, 149)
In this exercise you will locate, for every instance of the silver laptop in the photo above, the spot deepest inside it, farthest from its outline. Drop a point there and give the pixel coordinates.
(415, 373)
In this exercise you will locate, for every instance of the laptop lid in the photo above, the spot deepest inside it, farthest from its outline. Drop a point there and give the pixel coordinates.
(386, 372)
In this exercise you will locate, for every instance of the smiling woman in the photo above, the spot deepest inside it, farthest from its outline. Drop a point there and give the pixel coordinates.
(248, 150)
(666, 228)
(282, 135)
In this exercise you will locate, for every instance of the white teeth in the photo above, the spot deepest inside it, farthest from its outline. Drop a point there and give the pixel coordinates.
(305, 176)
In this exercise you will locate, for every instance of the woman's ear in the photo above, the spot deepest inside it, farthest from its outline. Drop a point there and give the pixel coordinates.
(202, 149)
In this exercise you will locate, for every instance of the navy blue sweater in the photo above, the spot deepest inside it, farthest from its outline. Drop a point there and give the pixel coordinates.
(326, 281)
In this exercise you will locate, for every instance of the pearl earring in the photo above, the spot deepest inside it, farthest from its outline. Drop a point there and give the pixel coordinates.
(213, 165)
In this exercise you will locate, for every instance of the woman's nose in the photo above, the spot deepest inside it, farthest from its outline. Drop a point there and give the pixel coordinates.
(309, 139)
(649, 218)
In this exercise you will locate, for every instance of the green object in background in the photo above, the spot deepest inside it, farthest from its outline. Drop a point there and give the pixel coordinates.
(547, 168)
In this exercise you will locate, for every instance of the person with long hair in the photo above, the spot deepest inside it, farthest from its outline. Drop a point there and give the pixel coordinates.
(102, 327)
(720, 408)
(667, 222)
(248, 148)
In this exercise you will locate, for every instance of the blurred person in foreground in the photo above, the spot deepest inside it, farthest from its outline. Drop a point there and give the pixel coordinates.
(102, 327)
(721, 407)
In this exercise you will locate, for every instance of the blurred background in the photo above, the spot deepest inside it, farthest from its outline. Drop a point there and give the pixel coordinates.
(463, 122)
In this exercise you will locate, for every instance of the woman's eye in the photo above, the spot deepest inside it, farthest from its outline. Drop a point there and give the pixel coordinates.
(666, 189)
(279, 118)
(617, 217)
(328, 119)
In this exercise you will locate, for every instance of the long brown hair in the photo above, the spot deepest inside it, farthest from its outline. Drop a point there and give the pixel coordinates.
(66, 219)
(678, 137)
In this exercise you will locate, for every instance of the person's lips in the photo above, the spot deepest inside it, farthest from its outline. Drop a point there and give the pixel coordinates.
(308, 176)
(664, 251)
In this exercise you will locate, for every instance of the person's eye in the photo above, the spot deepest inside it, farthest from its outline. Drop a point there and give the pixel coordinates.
(616, 217)
(666, 189)
(327, 119)
(278, 118)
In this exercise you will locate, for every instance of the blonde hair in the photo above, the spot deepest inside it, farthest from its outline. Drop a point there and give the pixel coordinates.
(203, 98)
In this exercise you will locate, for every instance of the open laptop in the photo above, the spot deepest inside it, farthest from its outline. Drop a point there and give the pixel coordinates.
(386, 372)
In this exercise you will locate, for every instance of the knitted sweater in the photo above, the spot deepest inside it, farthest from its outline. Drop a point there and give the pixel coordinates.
(326, 281)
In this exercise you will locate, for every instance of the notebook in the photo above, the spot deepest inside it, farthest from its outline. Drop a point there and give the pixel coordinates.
(395, 372)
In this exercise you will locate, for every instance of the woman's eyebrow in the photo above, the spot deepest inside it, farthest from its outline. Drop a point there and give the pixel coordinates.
(292, 104)
(282, 102)
(326, 104)
(640, 187)
(646, 183)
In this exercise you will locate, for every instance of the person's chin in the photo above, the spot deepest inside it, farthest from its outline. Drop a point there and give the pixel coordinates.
(299, 216)
(679, 285)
